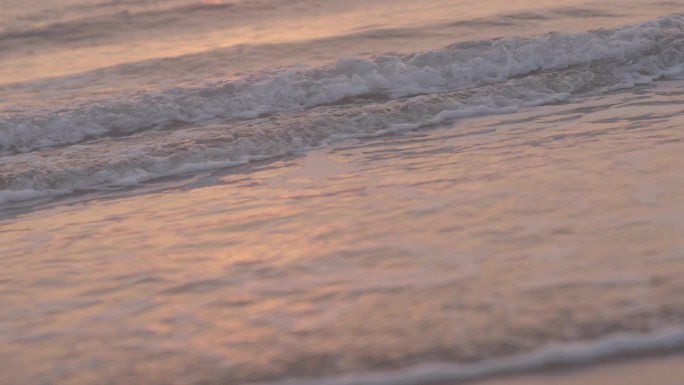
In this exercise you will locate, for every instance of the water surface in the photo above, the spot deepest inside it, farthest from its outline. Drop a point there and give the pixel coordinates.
(177, 209)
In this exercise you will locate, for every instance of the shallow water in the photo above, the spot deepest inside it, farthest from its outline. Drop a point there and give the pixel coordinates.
(490, 238)
(182, 212)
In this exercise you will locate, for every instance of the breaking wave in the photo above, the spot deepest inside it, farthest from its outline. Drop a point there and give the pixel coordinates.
(125, 141)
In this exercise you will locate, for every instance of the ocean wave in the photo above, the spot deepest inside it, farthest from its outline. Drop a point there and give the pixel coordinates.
(120, 143)
(636, 52)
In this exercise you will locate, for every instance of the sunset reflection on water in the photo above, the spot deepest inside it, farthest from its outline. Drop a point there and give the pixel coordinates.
(293, 192)
(371, 251)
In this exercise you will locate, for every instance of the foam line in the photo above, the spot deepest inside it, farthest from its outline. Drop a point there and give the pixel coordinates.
(567, 355)
(634, 54)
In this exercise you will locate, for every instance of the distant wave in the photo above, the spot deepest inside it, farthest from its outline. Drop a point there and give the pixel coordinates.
(99, 19)
(281, 111)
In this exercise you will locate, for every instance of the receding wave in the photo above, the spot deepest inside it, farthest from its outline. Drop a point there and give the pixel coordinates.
(565, 355)
(129, 140)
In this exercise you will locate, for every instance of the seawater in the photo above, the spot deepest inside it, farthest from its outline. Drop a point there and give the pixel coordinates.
(311, 192)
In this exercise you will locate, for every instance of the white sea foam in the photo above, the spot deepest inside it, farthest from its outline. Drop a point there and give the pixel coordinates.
(636, 53)
(311, 107)
(134, 159)
(567, 355)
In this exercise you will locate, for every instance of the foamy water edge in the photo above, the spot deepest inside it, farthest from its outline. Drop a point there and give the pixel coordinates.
(560, 355)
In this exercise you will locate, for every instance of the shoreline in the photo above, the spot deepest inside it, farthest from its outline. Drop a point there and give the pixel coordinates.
(667, 369)
(612, 359)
